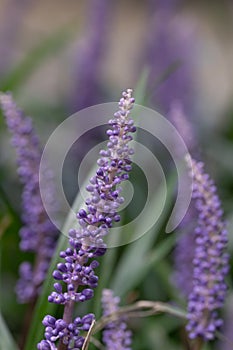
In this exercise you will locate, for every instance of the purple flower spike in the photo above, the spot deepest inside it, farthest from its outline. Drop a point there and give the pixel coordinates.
(38, 234)
(169, 55)
(115, 335)
(90, 55)
(87, 242)
(210, 259)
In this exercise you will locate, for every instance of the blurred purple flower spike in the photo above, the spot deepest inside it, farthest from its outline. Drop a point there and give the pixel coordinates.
(115, 334)
(170, 56)
(90, 54)
(38, 234)
(210, 263)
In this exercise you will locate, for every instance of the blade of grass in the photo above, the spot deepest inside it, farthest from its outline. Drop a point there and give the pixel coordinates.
(140, 90)
(6, 339)
(216, 151)
(8, 205)
(134, 262)
(106, 266)
(163, 270)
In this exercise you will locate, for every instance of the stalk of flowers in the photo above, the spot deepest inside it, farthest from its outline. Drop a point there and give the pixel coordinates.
(38, 234)
(87, 242)
(210, 260)
(115, 334)
(90, 56)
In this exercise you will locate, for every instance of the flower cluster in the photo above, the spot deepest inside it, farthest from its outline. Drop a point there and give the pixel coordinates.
(69, 333)
(210, 259)
(75, 271)
(87, 242)
(115, 334)
(38, 234)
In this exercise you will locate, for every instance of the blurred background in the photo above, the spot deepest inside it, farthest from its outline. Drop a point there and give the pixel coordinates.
(58, 57)
(126, 33)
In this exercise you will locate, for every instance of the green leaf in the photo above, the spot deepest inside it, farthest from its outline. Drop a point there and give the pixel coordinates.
(136, 260)
(48, 47)
(140, 91)
(163, 270)
(216, 149)
(161, 250)
(8, 205)
(6, 339)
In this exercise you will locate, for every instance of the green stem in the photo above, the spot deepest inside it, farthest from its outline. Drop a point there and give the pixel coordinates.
(67, 317)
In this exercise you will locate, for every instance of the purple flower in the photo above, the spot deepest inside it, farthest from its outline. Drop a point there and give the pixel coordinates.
(68, 332)
(38, 234)
(210, 263)
(115, 334)
(87, 242)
